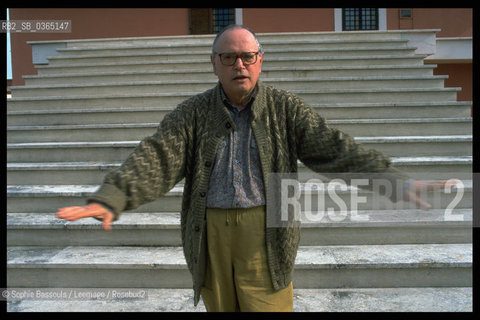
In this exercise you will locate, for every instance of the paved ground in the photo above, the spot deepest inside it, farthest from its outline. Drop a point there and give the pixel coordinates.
(305, 300)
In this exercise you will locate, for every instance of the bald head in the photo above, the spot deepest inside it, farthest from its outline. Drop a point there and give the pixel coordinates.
(233, 27)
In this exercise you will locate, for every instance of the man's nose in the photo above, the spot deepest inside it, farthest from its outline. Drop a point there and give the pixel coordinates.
(238, 63)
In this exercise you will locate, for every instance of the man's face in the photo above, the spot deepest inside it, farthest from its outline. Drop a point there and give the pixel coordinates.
(239, 79)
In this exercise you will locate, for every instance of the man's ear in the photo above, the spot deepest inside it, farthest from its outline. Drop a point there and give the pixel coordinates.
(212, 60)
(261, 61)
(261, 57)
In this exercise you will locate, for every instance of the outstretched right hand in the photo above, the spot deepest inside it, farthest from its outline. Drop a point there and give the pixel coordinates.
(93, 210)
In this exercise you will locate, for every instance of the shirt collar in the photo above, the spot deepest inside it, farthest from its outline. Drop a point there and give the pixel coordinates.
(230, 106)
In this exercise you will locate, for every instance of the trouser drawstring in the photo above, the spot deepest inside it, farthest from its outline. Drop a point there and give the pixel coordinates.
(227, 221)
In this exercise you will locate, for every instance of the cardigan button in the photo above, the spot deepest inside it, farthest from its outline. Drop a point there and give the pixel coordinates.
(197, 228)
(202, 194)
(218, 134)
(208, 164)
(228, 125)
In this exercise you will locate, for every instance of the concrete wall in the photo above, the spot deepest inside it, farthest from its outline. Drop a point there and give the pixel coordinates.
(289, 20)
(453, 22)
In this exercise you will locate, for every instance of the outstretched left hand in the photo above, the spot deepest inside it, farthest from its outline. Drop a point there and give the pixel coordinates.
(417, 187)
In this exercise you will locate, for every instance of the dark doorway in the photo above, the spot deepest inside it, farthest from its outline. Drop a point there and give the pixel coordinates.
(210, 20)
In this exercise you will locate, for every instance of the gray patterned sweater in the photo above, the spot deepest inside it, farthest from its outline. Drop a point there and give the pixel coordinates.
(185, 144)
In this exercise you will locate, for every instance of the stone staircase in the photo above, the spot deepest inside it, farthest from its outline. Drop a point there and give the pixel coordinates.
(90, 105)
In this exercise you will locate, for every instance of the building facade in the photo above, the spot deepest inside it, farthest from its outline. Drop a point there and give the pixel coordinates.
(454, 39)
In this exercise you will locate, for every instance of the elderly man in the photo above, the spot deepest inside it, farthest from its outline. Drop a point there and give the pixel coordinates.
(225, 142)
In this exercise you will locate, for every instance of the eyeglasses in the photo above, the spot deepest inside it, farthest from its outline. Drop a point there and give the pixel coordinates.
(229, 58)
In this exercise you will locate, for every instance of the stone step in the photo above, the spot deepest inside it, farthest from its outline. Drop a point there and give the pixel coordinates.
(179, 55)
(352, 266)
(201, 74)
(389, 110)
(124, 131)
(409, 126)
(149, 114)
(325, 96)
(49, 173)
(378, 95)
(202, 85)
(428, 167)
(47, 198)
(412, 35)
(107, 151)
(163, 229)
(205, 64)
(206, 47)
(419, 145)
(454, 299)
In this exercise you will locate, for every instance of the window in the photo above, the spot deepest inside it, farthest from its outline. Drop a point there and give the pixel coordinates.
(222, 17)
(360, 19)
(405, 13)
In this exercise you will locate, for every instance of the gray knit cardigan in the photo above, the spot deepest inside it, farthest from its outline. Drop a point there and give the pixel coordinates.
(185, 144)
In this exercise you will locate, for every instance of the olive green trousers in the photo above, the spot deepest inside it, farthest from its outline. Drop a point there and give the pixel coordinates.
(237, 275)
